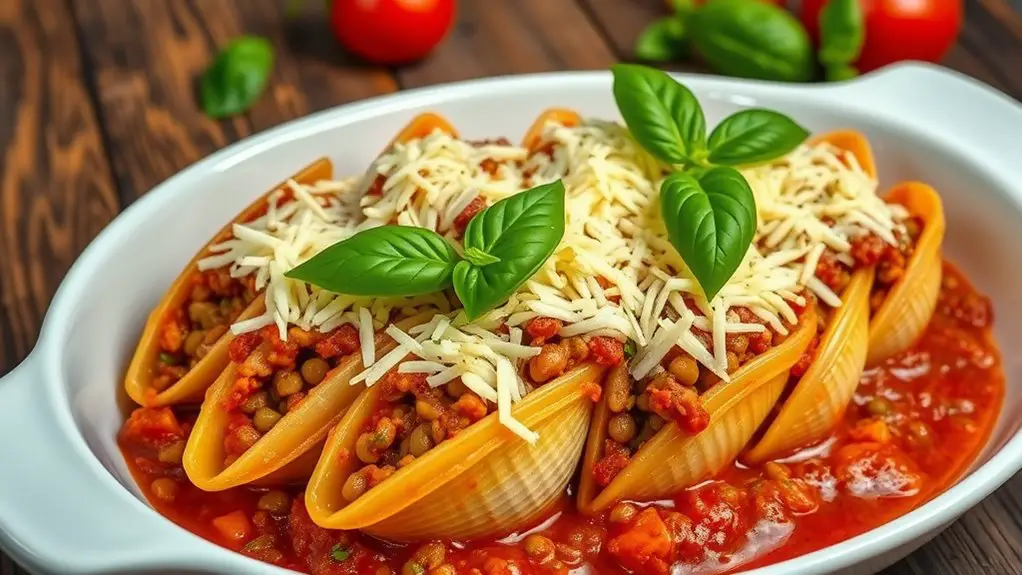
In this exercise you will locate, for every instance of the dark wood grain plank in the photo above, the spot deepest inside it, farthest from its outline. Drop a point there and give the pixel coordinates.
(148, 55)
(9, 567)
(993, 33)
(56, 192)
(513, 37)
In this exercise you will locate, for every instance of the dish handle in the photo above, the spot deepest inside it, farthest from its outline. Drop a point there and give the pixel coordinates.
(60, 510)
(947, 105)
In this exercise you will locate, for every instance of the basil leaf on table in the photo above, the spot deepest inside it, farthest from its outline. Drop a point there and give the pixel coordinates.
(663, 116)
(753, 136)
(662, 41)
(384, 261)
(521, 232)
(842, 32)
(752, 39)
(710, 221)
(237, 77)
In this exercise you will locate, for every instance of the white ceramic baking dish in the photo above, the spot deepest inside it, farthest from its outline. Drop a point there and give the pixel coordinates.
(68, 503)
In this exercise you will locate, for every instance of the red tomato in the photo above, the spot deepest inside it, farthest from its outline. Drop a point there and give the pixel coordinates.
(391, 32)
(899, 29)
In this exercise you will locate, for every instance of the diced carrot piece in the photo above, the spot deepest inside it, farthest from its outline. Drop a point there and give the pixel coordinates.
(234, 527)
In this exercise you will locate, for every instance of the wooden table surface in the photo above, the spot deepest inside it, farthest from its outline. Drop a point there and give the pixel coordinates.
(96, 108)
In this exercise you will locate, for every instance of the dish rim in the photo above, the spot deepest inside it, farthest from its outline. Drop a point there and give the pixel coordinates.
(45, 360)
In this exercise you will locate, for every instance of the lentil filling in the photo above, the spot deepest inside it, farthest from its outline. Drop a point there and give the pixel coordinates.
(413, 417)
(639, 409)
(274, 376)
(189, 332)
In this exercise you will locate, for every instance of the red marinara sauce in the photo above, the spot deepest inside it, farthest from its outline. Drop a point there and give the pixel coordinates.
(917, 421)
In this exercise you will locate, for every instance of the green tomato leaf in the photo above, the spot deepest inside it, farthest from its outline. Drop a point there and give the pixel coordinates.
(839, 73)
(521, 231)
(662, 41)
(384, 261)
(710, 221)
(237, 77)
(842, 33)
(753, 136)
(752, 39)
(663, 116)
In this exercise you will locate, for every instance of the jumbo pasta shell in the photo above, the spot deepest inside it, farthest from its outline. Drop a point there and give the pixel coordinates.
(190, 388)
(298, 432)
(484, 482)
(672, 460)
(820, 397)
(907, 310)
(851, 141)
(534, 135)
(422, 126)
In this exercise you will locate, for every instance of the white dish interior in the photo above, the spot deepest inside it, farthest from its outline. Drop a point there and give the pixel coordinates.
(98, 314)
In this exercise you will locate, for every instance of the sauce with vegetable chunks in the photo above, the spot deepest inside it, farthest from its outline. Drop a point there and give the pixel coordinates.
(916, 423)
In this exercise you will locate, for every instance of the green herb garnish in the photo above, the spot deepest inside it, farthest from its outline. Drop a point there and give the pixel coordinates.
(169, 358)
(518, 234)
(505, 244)
(630, 348)
(237, 77)
(384, 261)
(340, 553)
(753, 136)
(708, 208)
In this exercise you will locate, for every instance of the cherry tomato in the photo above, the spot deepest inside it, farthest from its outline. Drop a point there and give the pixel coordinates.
(899, 29)
(390, 32)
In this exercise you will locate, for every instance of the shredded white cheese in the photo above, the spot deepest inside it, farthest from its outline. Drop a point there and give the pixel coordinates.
(614, 273)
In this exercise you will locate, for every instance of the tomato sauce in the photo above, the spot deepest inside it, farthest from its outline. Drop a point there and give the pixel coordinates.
(916, 423)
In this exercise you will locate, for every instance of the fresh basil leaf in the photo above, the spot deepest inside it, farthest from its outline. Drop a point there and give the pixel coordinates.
(662, 41)
(522, 231)
(237, 77)
(753, 136)
(842, 33)
(663, 116)
(752, 39)
(478, 257)
(384, 261)
(839, 73)
(710, 221)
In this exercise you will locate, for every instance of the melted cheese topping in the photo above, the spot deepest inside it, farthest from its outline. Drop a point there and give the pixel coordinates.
(614, 273)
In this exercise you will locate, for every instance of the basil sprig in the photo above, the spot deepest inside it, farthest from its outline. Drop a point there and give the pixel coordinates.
(707, 206)
(706, 213)
(663, 115)
(505, 244)
(384, 261)
(516, 234)
(753, 136)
